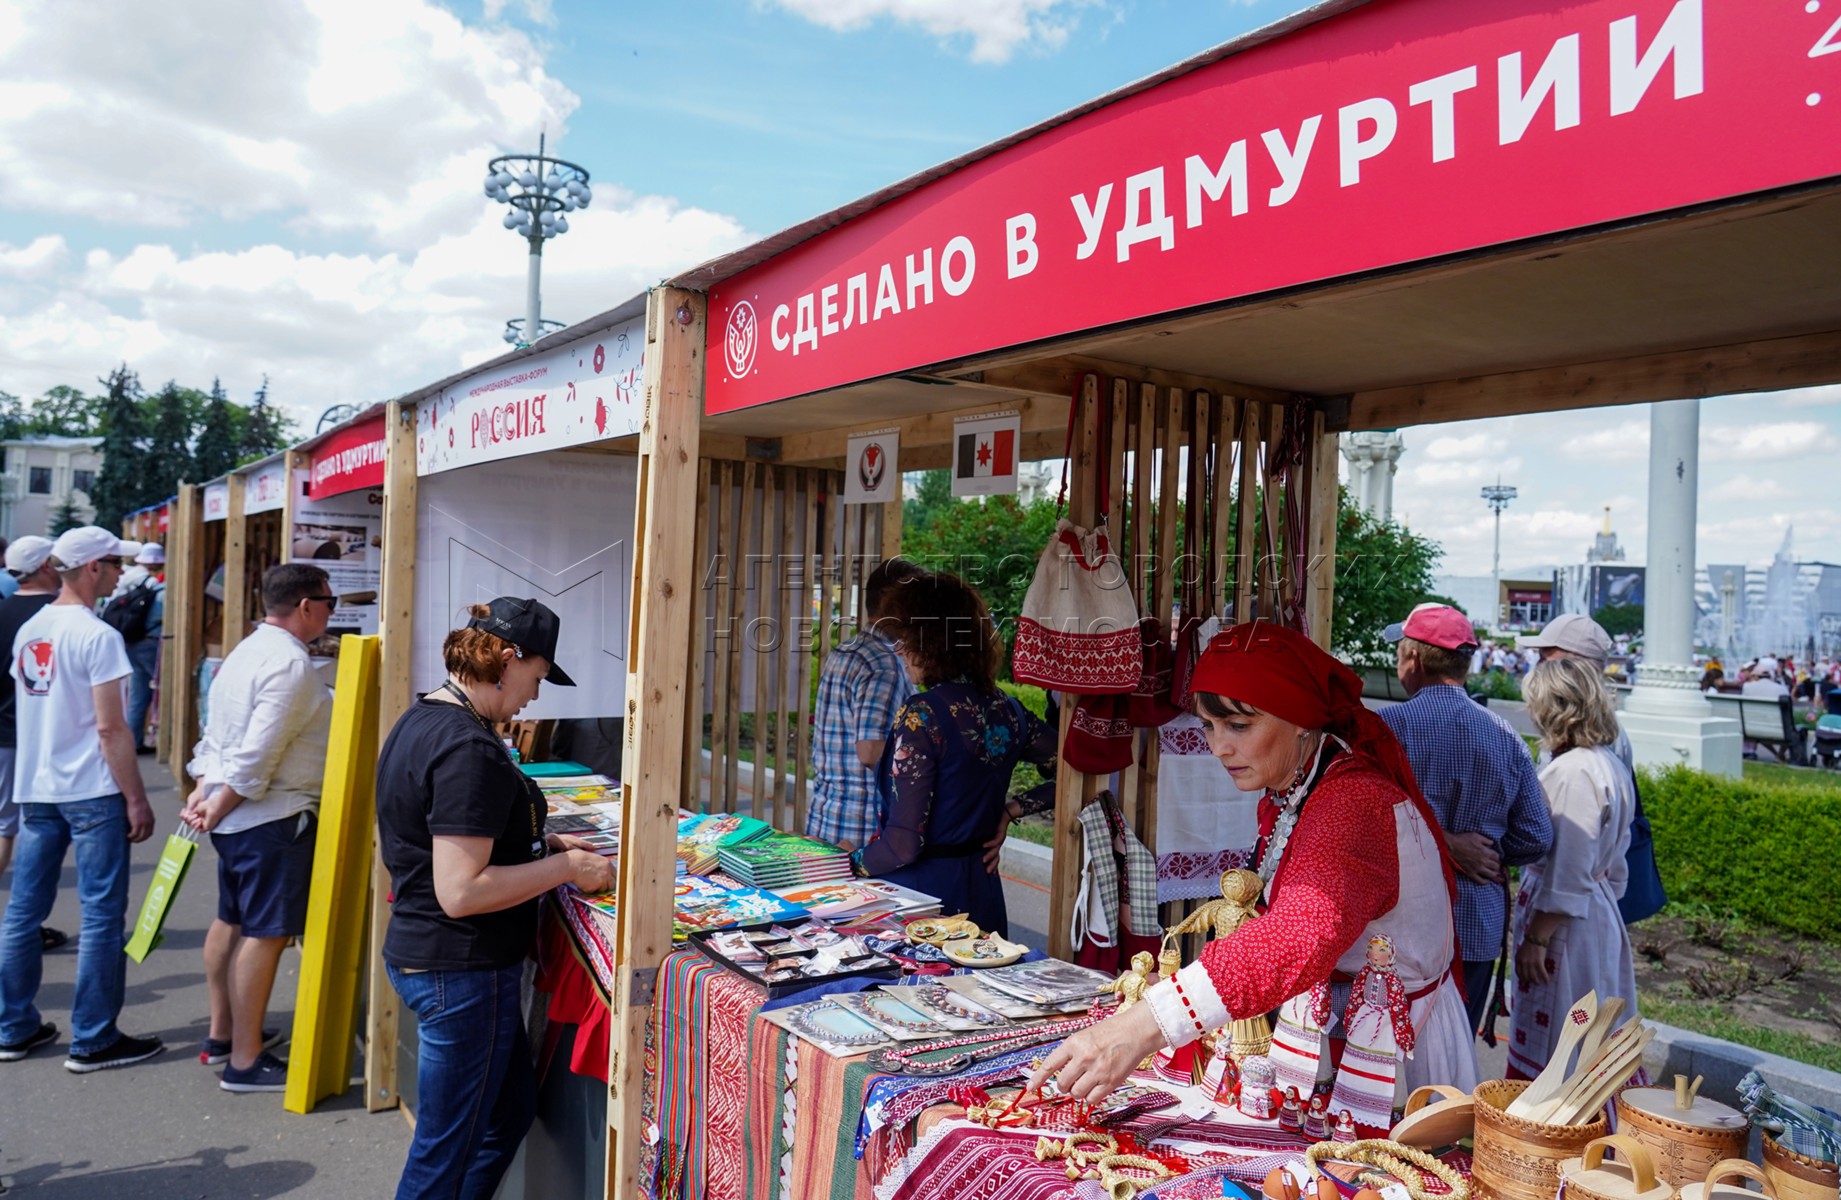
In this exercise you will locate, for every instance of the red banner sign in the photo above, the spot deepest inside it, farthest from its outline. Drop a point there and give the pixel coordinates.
(349, 459)
(1398, 131)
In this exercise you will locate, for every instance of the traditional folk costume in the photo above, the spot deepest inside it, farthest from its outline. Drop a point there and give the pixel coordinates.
(1350, 853)
(1583, 876)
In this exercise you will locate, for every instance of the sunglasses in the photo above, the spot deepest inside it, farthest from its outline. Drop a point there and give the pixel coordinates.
(331, 602)
(110, 562)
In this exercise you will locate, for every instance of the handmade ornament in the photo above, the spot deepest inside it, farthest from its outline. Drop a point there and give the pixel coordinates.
(973, 1048)
(1317, 1119)
(1082, 1163)
(1131, 985)
(1404, 1163)
(1256, 1088)
(1345, 1127)
(1291, 1112)
(1379, 1029)
(1121, 1186)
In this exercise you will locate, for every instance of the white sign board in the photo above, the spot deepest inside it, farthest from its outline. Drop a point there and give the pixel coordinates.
(872, 471)
(343, 536)
(266, 488)
(217, 501)
(585, 391)
(555, 528)
(985, 451)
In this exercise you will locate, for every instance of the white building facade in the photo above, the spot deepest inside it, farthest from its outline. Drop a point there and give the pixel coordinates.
(41, 475)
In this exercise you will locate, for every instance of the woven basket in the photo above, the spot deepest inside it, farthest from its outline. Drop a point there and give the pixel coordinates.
(1797, 1176)
(1515, 1159)
(1683, 1153)
(1632, 1177)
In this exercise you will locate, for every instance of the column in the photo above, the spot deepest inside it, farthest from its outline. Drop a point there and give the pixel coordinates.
(1668, 720)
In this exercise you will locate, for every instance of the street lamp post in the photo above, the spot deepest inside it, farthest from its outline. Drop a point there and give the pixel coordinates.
(540, 190)
(1498, 495)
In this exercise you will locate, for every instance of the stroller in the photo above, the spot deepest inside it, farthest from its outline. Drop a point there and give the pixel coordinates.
(1828, 732)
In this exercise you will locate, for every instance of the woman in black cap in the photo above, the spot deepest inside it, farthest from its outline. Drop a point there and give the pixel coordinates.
(460, 828)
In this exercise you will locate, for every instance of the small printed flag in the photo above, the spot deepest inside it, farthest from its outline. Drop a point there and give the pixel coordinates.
(986, 452)
(872, 472)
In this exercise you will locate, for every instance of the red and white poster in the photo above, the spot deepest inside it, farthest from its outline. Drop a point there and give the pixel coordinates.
(265, 488)
(985, 454)
(586, 391)
(217, 501)
(872, 468)
(1394, 132)
(349, 459)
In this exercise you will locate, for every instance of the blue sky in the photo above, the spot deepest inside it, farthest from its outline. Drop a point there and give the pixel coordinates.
(291, 188)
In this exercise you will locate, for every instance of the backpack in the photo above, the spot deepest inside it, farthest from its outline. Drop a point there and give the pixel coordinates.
(129, 612)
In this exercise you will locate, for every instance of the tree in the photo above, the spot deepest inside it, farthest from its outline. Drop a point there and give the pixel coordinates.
(932, 496)
(64, 517)
(218, 435)
(1626, 619)
(169, 445)
(265, 430)
(64, 411)
(992, 544)
(120, 484)
(12, 416)
(1382, 571)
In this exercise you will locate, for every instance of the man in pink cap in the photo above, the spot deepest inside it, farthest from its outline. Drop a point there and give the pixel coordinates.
(1477, 775)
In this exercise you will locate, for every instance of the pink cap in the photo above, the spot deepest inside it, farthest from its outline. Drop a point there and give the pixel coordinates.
(1435, 625)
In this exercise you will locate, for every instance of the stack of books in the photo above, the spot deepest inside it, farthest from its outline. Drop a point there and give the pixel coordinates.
(782, 860)
(702, 835)
(859, 901)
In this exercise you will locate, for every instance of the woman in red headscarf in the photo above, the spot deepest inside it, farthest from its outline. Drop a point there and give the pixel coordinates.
(1358, 886)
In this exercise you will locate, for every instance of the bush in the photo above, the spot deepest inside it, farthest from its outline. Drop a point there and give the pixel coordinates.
(1757, 850)
(1495, 683)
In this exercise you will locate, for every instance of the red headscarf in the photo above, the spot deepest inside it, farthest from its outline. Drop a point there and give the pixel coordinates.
(1282, 672)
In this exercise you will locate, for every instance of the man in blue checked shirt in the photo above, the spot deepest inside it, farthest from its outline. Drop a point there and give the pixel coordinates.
(862, 683)
(1477, 775)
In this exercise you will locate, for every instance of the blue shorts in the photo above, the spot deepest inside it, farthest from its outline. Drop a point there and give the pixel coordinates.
(263, 875)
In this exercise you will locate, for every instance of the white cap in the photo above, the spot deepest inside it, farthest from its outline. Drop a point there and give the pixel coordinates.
(1574, 633)
(27, 554)
(80, 547)
(152, 555)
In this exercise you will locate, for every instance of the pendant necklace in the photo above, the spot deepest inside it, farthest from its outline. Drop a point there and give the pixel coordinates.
(987, 1046)
(1291, 806)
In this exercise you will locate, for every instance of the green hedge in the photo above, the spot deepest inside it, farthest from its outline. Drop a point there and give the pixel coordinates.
(1765, 852)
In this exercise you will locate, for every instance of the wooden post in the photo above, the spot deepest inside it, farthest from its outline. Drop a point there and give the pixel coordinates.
(891, 525)
(396, 627)
(236, 566)
(699, 638)
(1072, 788)
(1324, 516)
(1246, 554)
(185, 597)
(805, 624)
(664, 571)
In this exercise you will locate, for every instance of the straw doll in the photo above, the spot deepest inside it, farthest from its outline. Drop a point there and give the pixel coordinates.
(1240, 891)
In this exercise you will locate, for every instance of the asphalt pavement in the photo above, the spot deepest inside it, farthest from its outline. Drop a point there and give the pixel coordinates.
(164, 1130)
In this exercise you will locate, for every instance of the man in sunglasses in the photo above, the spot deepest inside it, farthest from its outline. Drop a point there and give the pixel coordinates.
(76, 781)
(258, 767)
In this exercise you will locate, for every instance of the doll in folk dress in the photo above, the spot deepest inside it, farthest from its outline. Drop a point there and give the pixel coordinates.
(1240, 890)
(1379, 1028)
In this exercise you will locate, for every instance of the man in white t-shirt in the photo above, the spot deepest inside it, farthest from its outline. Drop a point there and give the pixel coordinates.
(75, 780)
(259, 766)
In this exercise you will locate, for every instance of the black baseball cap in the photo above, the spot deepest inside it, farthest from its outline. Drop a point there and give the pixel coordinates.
(529, 626)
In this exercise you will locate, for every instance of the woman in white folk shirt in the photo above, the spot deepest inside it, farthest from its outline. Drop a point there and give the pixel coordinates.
(1568, 937)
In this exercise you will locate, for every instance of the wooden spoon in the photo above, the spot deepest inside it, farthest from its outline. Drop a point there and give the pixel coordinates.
(1549, 1084)
(1548, 1110)
(1601, 1027)
(1606, 1079)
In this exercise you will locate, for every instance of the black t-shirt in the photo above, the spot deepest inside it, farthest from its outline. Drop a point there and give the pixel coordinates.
(441, 772)
(15, 611)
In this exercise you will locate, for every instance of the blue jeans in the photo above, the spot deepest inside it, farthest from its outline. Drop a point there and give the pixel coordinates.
(144, 657)
(99, 828)
(476, 1084)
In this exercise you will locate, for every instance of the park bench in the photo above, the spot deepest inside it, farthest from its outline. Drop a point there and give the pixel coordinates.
(1767, 721)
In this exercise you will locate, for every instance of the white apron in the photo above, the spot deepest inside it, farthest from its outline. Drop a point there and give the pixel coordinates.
(1374, 1082)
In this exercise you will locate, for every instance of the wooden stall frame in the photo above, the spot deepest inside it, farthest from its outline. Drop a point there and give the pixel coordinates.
(185, 593)
(236, 564)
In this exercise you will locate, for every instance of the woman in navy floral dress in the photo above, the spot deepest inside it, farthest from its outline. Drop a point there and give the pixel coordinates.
(945, 771)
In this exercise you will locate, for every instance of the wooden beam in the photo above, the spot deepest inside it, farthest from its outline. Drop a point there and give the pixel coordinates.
(664, 572)
(1324, 511)
(236, 567)
(1774, 364)
(827, 446)
(1057, 376)
(1038, 445)
(185, 596)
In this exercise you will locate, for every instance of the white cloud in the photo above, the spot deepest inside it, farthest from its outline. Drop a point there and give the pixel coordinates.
(1471, 447)
(41, 255)
(1743, 489)
(997, 28)
(1765, 443)
(1626, 441)
(372, 118)
(538, 12)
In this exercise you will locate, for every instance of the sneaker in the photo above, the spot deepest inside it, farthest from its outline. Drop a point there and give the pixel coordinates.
(216, 1053)
(14, 1051)
(266, 1074)
(50, 939)
(124, 1053)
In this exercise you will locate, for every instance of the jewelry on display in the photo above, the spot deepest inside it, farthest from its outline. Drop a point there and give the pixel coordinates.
(1290, 802)
(1123, 1187)
(1404, 1163)
(892, 1061)
(1082, 1164)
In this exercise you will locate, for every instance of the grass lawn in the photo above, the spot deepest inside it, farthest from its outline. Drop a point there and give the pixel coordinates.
(1715, 1020)
(1777, 773)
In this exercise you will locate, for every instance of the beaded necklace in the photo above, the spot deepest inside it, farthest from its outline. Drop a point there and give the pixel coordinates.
(988, 1046)
(1291, 806)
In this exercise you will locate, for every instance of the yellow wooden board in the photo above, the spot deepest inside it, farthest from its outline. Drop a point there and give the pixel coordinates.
(332, 951)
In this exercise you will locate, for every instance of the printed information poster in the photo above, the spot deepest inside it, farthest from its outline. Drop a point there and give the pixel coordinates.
(343, 536)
